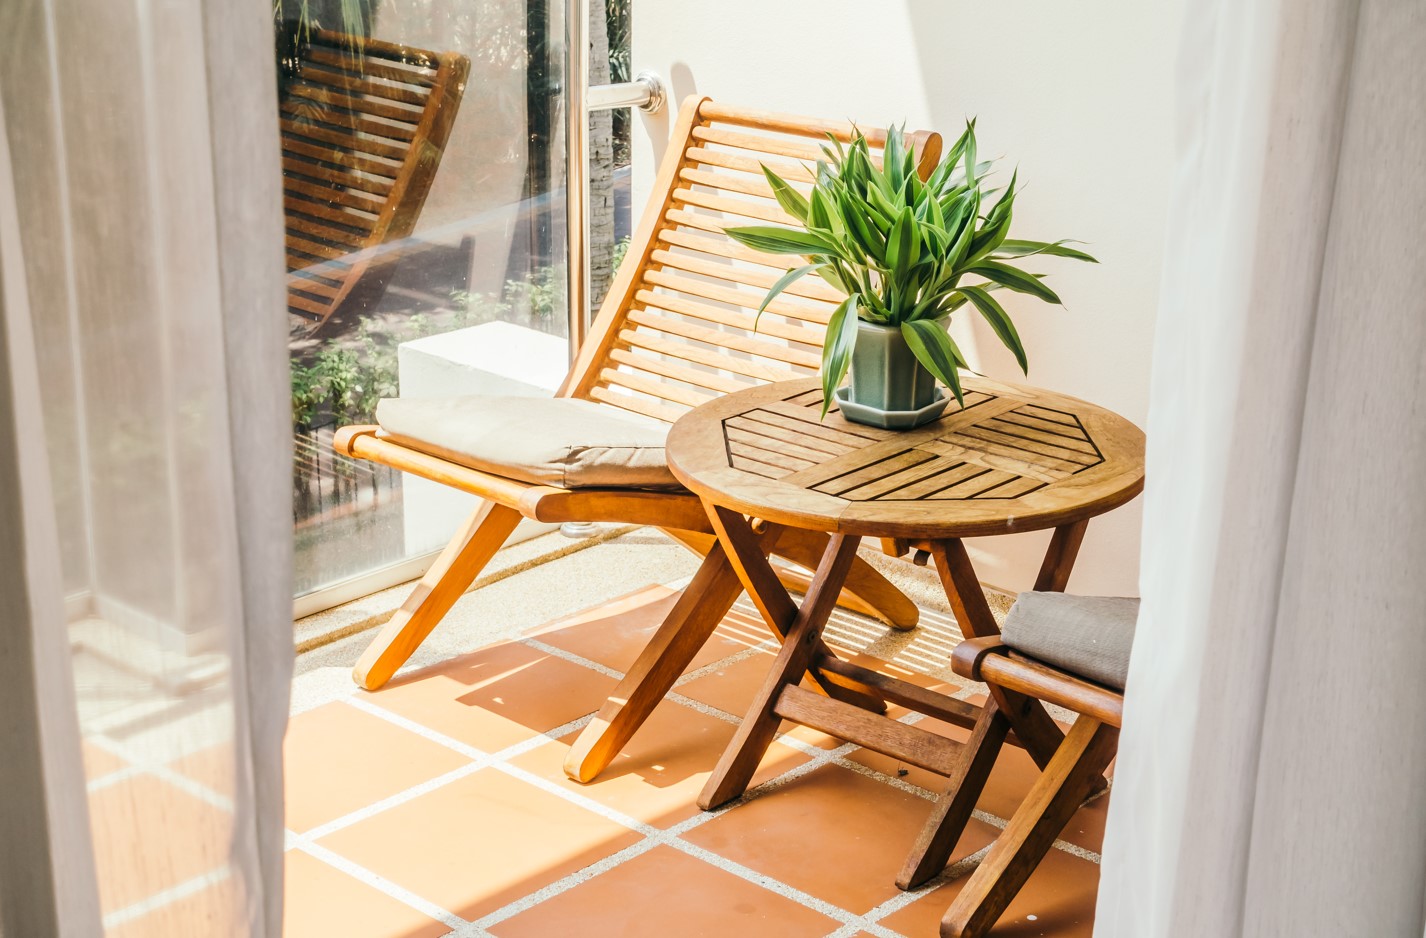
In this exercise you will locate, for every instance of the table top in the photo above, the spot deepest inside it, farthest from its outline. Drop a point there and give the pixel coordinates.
(1014, 459)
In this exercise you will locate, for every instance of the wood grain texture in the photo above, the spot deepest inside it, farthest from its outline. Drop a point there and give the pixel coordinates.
(364, 126)
(994, 467)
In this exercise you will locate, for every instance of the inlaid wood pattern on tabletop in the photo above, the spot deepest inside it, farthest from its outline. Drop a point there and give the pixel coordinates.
(364, 124)
(1013, 459)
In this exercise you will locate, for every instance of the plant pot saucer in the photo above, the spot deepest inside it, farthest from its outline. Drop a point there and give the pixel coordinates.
(890, 419)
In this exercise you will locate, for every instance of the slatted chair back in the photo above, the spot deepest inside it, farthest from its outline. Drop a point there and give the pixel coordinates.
(364, 124)
(676, 327)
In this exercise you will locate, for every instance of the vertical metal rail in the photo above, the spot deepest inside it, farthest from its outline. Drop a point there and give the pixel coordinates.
(646, 92)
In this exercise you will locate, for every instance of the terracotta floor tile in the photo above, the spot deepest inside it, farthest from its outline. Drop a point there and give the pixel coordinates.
(480, 842)
(832, 833)
(658, 776)
(215, 911)
(615, 633)
(100, 762)
(496, 697)
(321, 900)
(1059, 895)
(212, 768)
(339, 759)
(692, 899)
(1011, 780)
(731, 689)
(134, 864)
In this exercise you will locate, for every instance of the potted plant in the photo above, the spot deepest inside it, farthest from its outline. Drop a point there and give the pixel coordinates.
(906, 254)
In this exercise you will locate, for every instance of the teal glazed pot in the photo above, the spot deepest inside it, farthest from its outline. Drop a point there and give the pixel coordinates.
(889, 387)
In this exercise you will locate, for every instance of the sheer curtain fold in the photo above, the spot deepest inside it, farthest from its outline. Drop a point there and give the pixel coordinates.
(146, 228)
(1274, 749)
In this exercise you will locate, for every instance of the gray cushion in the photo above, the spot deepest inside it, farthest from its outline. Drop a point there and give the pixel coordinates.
(1088, 636)
(547, 441)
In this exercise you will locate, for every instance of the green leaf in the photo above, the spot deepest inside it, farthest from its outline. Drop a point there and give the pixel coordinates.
(970, 162)
(771, 240)
(903, 247)
(789, 198)
(1010, 249)
(837, 350)
(783, 282)
(891, 158)
(1015, 279)
(999, 321)
(934, 349)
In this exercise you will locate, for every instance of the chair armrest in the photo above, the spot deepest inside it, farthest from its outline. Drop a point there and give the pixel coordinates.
(967, 657)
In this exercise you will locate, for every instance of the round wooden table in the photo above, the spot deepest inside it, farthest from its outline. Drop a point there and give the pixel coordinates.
(1013, 459)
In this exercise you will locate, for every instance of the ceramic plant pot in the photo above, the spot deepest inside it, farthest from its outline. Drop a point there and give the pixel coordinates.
(889, 387)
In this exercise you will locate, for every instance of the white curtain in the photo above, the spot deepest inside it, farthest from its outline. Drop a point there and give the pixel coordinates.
(145, 502)
(1272, 771)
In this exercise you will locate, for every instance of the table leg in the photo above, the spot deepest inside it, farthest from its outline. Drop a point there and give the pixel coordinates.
(740, 760)
(748, 556)
(1039, 734)
(1059, 559)
(704, 603)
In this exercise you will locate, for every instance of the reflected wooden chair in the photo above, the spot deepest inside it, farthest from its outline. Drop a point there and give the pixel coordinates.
(1070, 651)
(364, 124)
(675, 330)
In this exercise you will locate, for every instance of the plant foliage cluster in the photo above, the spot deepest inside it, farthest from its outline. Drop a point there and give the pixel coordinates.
(905, 252)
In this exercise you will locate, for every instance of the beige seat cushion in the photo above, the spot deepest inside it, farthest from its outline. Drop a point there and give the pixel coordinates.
(561, 441)
(1089, 636)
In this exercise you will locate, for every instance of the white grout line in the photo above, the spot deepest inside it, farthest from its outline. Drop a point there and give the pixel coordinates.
(380, 883)
(160, 899)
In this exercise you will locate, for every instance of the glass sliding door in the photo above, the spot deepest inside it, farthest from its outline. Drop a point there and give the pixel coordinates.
(424, 166)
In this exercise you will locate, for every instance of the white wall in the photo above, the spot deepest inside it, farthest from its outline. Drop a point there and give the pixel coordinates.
(1079, 95)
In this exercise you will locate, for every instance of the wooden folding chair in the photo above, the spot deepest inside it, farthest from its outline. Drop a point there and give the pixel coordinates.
(1072, 775)
(675, 330)
(364, 124)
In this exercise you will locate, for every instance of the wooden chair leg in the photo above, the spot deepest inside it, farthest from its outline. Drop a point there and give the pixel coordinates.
(704, 603)
(953, 809)
(866, 592)
(451, 575)
(1087, 750)
(740, 760)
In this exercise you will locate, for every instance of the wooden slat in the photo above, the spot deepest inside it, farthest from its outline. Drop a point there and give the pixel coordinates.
(344, 197)
(954, 474)
(713, 112)
(345, 160)
(751, 437)
(1046, 413)
(875, 471)
(898, 483)
(722, 247)
(343, 138)
(803, 312)
(324, 251)
(749, 423)
(829, 438)
(995, 456)
(296, 300)
(919, 747)
(1058, 440)
(299, 281)
(412, 76)
(667, 369)
(664, 390)
(348, 240)
(355, 105)
(795, 173)
(730, 182)
(782, 146)
(757, 211)
(1020, 418)
(309, 110)
(293, 205)
(728, 340)
(336, 177)
(1054, 451)
(653, 342)
(769, 457)
(976, 484)
(638, 405)
(362, 85)
(770, 326)
(810, 287)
